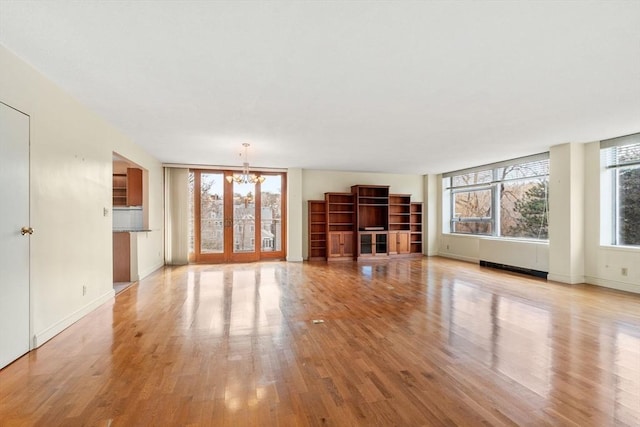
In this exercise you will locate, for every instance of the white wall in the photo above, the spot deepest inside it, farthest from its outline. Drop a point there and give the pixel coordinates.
(317, 182)
(522, 253)
(603, 262)
(71, 180)
(575, 253)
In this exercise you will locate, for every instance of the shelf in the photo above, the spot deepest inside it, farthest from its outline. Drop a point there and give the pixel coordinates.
(317, 229)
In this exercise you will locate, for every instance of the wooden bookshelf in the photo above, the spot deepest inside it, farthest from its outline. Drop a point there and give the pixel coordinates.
(317, 230)
(416, 228)
(364, 224)
(372, 208)
(399, 223)
(340, 214)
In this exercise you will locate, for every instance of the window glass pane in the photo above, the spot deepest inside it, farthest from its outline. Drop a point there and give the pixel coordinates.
(629, 205)
(524, 170)
(271, 213)
(472, 178)
(472, 204)
(244, 217)
(524, 209)
(472, 227)
(211, 213)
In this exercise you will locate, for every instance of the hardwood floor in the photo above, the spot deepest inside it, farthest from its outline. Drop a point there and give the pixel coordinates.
(405, 342)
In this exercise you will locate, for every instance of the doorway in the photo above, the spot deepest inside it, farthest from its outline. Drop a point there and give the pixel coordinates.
(15, 233)
(236, 222)
(130, 215)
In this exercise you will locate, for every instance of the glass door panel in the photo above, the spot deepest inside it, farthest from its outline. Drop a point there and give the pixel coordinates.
(212, 220)
(366, 243)
(271, 213)
(244, 218)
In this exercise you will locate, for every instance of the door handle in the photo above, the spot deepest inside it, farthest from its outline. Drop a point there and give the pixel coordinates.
(26, 230)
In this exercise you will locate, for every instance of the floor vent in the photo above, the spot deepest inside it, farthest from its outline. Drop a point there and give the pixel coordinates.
(521, 270)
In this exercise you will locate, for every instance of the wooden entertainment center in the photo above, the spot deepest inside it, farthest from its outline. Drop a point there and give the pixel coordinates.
(367, 223)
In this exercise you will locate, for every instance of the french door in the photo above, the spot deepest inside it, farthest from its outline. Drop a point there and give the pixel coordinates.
(236, 222)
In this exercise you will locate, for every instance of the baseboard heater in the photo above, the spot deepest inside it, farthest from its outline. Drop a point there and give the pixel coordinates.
(512, 268)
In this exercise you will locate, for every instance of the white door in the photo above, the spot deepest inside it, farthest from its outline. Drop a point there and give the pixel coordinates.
(14, 246)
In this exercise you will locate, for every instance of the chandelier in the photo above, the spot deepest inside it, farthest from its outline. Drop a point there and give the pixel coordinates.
(245, 177)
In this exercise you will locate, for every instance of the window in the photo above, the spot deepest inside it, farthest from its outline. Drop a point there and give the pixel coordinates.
(621, 164)
(506, 199)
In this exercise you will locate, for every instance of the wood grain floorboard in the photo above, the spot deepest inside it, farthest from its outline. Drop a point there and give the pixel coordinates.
(421, 342)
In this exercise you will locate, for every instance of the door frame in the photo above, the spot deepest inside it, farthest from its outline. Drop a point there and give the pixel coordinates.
(28, 220)
(228, 255)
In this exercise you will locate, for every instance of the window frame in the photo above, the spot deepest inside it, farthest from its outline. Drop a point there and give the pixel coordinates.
(450, 190)
(453, 220)
(612, 168)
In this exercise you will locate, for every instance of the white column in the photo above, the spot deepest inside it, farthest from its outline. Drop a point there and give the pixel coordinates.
(294, 215)
(430, 215)
(566, 213)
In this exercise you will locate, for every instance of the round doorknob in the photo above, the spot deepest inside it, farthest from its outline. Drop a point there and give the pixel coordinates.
(26, 230)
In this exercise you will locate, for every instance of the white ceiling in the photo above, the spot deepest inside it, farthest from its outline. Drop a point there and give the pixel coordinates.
(401, 87)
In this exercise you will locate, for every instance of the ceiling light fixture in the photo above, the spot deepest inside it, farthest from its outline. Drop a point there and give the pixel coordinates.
(245, 177)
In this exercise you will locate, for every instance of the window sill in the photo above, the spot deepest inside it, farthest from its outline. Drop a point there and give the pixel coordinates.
(500, 239)
(619, 248)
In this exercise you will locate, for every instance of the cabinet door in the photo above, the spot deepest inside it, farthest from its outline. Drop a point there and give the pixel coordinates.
(134, 187)
(121, 257)
(381, 247)
(403, 242)
(393, 242)
(399, 242)
(341, 244)
(365, 244)
(347, 243)
(335, 244)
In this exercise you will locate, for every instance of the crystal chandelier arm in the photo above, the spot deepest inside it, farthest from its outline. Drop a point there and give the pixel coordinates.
(245, 177)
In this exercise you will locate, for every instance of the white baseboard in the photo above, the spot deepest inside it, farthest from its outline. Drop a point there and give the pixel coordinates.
(294, 259)
(44, 336)
(150, 270)
(459, 257)
(613, 284)
(563, 278)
